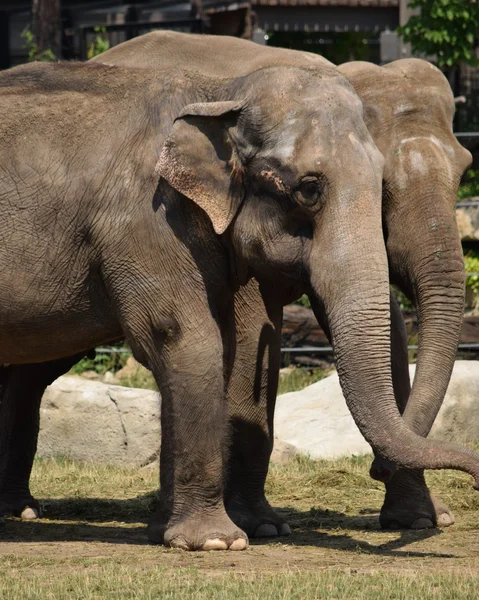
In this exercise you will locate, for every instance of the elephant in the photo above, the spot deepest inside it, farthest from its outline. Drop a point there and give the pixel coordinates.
(396, 99)
(409, 109)
(98, 244)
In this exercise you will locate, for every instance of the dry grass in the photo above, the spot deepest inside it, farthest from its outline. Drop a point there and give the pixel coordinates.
(92, 544)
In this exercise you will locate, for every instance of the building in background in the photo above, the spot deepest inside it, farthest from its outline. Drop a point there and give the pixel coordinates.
(339, 29)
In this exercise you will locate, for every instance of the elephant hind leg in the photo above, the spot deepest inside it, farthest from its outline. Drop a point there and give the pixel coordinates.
(21, 391)
(251, 395)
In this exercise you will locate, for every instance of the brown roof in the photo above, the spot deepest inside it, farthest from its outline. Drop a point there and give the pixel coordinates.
(350, 3)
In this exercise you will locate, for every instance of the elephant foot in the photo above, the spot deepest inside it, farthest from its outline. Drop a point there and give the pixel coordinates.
(215, 532)
(258, 520)
(410, 505)
(24, 507)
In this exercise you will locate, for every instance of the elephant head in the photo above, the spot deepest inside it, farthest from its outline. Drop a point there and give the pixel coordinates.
(287, 172)
(409, 108)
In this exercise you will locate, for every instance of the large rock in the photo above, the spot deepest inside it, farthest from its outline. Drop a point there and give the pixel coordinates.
(467, 219)
(458, 419)
(317, 421)
(89, 420)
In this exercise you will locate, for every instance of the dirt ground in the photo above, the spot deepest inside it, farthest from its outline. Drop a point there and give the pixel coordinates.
(353, 543)
(332, 507)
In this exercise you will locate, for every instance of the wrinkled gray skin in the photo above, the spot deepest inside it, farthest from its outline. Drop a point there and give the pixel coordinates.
(409, 109)
(161, 268)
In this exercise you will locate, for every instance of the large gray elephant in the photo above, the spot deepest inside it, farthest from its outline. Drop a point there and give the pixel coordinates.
(252, 180)
(409, 109)
(134, 203)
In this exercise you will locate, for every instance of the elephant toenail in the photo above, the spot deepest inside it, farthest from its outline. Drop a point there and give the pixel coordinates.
(239, 544)
(215, 544)
(28, 514)
(178, 543)
(422, 523)
(285, 529)
(266, 530)
(445, 520)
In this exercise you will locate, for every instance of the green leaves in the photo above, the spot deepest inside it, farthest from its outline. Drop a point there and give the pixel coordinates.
(100, 43)
(470, 185)
(471, 265)
(446, 29)
(34, 52)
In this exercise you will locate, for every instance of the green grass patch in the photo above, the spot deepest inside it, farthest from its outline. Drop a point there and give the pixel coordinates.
(108, 582)
(299, 378)
(141, 378)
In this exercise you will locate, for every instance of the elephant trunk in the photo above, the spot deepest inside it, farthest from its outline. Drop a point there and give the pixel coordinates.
(432, 274)
(359, 323)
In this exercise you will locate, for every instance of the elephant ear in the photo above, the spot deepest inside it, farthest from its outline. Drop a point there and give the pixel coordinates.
(199, 159)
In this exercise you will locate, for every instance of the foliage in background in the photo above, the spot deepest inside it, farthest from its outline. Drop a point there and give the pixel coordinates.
(471, 264)
(470, 185)
(32, 47)
(303, 301)
(101, 363)
(297, 378)
(402, 300)
(100, 42)
(445, 29)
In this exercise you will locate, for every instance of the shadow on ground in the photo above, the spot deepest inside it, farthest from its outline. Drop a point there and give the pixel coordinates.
(118, 522)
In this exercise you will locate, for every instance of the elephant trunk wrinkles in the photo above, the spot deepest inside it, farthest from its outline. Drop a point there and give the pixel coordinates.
(434, 274)
(440, 316)
(359, 323)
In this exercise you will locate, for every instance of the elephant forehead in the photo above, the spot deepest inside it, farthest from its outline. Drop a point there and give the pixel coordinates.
(421, 155)
(320, 147)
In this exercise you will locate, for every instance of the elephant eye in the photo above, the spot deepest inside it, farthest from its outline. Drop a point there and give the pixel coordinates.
(309, 191)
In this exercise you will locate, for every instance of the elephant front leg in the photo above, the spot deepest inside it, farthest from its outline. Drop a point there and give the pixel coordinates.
(408, 503)
(251, 399)
(187, 362)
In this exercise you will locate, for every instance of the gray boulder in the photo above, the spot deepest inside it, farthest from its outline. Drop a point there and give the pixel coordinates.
(317, 422)
(93, 421)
